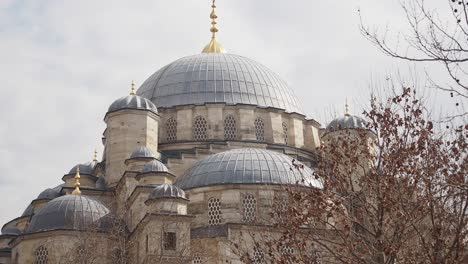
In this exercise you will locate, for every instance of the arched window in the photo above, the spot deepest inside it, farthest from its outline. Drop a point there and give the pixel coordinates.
(230, 128)
(259, 129)
(214, 212)
(171, 130)
(197, 259)
(258, 256)
(285, 133)
(41, 255)
(199, 128)
(249, 208)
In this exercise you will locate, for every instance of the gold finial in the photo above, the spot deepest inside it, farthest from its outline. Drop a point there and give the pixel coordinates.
(77, 181)
(214, 46)
(132, 92)
(95, 155)
(346, 108)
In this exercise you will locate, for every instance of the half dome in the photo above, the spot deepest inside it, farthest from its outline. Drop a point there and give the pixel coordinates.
(218, 78)
(73, 212)
(247, 166)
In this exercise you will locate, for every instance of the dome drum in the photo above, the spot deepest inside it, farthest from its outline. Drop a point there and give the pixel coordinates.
(167, 198)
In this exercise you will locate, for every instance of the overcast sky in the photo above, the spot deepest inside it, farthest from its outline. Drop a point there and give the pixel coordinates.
(63, 62)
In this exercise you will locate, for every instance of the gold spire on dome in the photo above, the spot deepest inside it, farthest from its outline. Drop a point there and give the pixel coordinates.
(95, 155)
(77, 181)
(214, 46)
(346, 108)
(132, 92)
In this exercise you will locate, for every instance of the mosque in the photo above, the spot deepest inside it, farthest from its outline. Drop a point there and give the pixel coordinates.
(192, 159)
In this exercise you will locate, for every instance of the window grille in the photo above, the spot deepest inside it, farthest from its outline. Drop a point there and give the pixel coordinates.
(259, 129)
(230, 128)
(249, 206)
(171, 130)
(170, 241)
(42, 255)
(258, 256)
(285, 133)
(199, 128)
(197, 260)
(214, 211)
(286, 250)
(81, 253)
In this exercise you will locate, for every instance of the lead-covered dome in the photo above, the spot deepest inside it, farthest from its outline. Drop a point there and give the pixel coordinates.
(218, 78)
(247, 166)
(154, 166)
(142, 152)
(167, 191)
(132, 102)
(346, 122)
(74, 212)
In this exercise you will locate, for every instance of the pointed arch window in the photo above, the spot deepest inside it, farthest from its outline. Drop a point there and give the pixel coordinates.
(259, 129)
(41, 255)
(214, 212)
(171, 130)
(200, 128)
(285, 133)
(230, 128)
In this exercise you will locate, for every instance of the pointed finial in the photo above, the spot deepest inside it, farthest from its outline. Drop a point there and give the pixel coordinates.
(346, 108)
(77, 181)
(95, 155)
(213, 46)
(132, 92)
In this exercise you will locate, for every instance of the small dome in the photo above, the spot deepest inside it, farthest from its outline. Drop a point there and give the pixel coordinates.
(101, 183)
(76, 212)
(346, 122)
(247, 166)
(49, 194)
(133, 102)
(155, 166)
(167, 191)
(85, 168)
(218, 78)
(12, 231)
(142, 152)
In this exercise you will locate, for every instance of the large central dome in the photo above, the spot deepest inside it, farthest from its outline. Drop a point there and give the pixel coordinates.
(218, 78)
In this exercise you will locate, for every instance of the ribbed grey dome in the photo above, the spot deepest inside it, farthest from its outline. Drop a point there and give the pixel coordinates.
(346, 122)
(77, 212)
(85, 168)
(167, 191)
(142, 152)
(132, 102)
(246, 166)
(218, 78)
(154, 166)
(12, 231)
(49, 193)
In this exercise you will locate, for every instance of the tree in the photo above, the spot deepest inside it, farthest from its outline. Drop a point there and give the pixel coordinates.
(433, 38)
(395, 192)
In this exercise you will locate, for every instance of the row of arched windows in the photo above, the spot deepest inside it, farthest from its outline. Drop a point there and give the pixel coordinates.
(249, 210)
(200, 129)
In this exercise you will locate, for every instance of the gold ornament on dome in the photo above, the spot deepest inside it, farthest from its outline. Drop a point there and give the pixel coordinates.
(214, 46)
